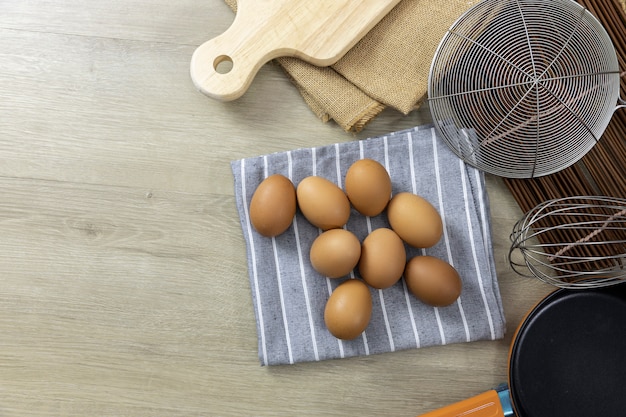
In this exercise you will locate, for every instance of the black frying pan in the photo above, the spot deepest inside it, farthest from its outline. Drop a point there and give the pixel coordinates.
(568, 358)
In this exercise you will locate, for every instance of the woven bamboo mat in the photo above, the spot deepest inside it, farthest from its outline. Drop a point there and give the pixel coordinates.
(602, 171)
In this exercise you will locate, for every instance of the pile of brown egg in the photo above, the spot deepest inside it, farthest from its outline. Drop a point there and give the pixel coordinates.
(381, 258)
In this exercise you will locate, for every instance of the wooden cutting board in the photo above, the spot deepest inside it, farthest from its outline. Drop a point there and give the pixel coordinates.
(317, 31)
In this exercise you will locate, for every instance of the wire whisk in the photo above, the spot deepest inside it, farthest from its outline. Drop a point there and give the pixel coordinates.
(572, 242)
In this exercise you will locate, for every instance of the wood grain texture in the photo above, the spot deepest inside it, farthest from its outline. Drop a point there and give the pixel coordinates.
(124, 280)
(319, 33)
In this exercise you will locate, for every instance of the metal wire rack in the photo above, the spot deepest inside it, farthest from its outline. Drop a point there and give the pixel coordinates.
(524, 88)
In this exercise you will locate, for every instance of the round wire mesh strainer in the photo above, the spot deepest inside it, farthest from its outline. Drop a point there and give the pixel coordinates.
(524, 88)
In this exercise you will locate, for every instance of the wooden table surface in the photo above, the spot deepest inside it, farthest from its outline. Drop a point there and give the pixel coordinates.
(124, 281)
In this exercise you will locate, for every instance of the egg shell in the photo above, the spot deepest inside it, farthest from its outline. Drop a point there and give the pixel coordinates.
(433, 280)
(335, 253)
(323, 203)
(383, 258)
(368, 187)
(348, 310)
(273, 205)
(415, 220)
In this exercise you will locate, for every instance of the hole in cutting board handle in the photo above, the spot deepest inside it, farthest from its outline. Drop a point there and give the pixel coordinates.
(223, 64)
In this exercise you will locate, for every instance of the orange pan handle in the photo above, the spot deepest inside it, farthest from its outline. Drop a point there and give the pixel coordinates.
(487, 404)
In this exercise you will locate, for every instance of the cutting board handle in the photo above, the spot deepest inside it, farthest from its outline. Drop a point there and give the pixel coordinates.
(319, 32)
(225, 73)
(224, 67)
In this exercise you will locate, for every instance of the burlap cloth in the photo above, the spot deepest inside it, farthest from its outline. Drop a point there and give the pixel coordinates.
(388, 67)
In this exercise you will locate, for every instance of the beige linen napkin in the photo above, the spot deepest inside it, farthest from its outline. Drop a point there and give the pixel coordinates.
(388, 68)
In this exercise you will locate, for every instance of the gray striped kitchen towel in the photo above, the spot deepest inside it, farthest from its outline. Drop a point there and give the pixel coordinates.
(289, 296)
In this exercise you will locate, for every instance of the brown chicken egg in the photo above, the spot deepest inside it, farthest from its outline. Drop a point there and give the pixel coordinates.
(415, 220)
(432, 280)
(335, 253)
(383, 258)
(273, 205)
(368, 187)
(348, 310)
(323, 203)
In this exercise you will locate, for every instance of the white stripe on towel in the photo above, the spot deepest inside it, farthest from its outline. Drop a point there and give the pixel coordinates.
(253, 256)
(302, 270)
(339, 184)
(475, 258)
(414, 189)
(445, 229)
(381, 296)
(407, 294)
(280, 284)
(329, 284)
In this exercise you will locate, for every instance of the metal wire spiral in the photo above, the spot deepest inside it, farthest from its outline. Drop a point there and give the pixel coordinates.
(573, 242)
(524, 88)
